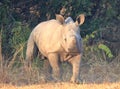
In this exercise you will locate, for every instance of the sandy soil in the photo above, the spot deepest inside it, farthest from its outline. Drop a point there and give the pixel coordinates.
(64, 86)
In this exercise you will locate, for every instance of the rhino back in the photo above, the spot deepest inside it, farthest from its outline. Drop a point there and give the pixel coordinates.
(47, 36)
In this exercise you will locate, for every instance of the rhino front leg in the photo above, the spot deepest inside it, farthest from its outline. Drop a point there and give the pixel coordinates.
(75, 61)
(55, 64)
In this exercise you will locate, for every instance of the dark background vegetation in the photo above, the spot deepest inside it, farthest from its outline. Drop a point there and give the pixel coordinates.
(101, 30)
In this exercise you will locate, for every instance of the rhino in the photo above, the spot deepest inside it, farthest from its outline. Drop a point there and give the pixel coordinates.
(58, 40)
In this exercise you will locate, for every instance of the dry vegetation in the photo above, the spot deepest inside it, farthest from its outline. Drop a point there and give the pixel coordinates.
(64, 86)
(96, 74)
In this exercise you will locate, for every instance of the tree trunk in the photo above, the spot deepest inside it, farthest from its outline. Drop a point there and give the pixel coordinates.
(1, 43)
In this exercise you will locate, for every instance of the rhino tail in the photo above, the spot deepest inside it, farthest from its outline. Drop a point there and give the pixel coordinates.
(31, 51)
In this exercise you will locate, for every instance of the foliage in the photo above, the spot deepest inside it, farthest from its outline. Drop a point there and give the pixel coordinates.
(5, 25)
(106, 49)
(20, 33)
(96, 47)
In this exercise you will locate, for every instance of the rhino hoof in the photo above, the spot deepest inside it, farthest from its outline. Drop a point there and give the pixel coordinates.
(77, 81)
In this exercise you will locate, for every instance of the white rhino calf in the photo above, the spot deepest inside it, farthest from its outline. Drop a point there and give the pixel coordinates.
(58, 40)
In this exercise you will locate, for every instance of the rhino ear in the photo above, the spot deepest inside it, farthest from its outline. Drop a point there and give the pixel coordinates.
(80, 19)
(60, 18)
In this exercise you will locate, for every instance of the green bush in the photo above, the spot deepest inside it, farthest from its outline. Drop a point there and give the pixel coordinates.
(96, 48)
(19, 36)
(20, 33)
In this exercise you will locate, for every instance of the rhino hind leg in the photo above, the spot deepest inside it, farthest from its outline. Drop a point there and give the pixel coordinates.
(55, 64)
(47, 71)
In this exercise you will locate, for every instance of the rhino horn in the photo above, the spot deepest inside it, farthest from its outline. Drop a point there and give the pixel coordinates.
(69, 20)
(60, 18)
(80, 19)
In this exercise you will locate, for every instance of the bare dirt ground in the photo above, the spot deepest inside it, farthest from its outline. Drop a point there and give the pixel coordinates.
(64, 86)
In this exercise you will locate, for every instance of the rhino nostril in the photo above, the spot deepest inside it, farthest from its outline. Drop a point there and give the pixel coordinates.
(69, 49)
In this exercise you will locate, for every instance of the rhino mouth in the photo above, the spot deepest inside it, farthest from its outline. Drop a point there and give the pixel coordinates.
(73, 49)
(67, 56)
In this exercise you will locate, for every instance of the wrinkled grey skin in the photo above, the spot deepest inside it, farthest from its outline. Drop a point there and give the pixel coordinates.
(58, 40)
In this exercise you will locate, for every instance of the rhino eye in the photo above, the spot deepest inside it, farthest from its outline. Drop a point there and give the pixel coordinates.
(65, 39)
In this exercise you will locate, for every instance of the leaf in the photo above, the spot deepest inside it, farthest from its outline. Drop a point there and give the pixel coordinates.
(92, 35)
(106, 49)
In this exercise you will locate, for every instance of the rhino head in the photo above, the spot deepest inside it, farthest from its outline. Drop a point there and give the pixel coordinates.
(71, 39)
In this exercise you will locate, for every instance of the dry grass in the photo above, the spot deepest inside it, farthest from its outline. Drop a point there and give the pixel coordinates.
(96, 74)
(64, 86)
